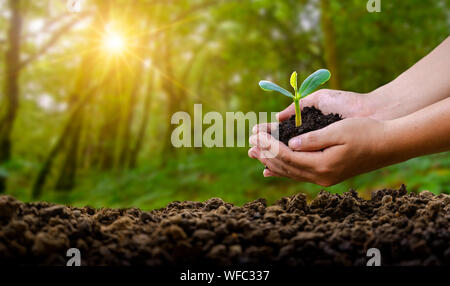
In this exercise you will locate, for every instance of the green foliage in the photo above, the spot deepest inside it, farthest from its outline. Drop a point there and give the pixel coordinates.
(314, 81)
(198, 52)
(230, 175)
(270, 86)
(293, 81)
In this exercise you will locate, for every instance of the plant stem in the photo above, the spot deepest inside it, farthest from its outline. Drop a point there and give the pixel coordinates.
(298, 113)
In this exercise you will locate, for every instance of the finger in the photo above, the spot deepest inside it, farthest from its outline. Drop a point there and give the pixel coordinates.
(252, 153)
(266, 142)
(282, 169)
(310, 100)
(274, 166)
(268, 173)
(334, 101)
(265, 127)
(277, 149)
(317, 140)
(322, 99)
(286, 113)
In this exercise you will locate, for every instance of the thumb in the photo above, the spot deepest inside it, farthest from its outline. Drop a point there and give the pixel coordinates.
(315, 140)
(310, 100)
(286, 113)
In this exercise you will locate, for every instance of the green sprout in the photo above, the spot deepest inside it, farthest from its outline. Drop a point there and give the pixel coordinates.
(308, 86)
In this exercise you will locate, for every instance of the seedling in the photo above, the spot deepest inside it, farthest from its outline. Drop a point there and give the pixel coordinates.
(308, 86)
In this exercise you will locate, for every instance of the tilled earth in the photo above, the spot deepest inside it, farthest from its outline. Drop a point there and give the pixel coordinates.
(408, 229)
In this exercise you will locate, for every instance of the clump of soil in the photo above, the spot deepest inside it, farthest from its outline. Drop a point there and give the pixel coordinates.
(408, 229)
(312, 119)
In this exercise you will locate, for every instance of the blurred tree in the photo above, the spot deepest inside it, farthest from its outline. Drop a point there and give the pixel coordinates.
(86, 112)
(68, 145)
(331, 54)
(11, 85)
(13, 66)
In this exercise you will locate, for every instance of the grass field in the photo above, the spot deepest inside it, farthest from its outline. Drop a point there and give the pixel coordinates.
(232, 176)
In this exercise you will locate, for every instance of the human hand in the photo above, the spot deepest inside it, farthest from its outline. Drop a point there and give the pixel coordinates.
(345, 103)
(326, 156)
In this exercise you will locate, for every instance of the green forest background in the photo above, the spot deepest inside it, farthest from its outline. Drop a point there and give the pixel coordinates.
(87, 125)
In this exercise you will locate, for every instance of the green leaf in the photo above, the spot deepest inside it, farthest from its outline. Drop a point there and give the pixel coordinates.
(270, 86)
(294, 80)
(313, 81)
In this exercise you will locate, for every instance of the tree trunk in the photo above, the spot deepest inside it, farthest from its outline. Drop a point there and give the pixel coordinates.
(331, 54)
(11, 86)
(48, 163)
(110, 130)
(169, 86)
(143, 126)
(129, 117)
(71, 123)
(77, 102)
(71, 140)
(66, 180)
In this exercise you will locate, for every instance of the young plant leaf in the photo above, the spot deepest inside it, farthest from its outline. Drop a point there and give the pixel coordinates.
(313, 81)
(294, 80)
(270, 86)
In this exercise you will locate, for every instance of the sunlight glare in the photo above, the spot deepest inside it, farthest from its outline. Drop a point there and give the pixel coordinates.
(114, 42)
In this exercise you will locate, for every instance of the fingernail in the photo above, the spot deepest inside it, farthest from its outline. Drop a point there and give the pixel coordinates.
(295, 143)
(252, 140)
(250, 153)
(253, 153)
(277, 116)
(266, 173)
(255, 129)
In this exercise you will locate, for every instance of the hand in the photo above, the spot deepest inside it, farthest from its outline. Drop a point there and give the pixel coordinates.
(415, 125)
(326, 156)
(347, 104)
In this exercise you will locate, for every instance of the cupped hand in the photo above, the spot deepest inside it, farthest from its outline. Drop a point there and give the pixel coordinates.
(345, 103)
(326, 156)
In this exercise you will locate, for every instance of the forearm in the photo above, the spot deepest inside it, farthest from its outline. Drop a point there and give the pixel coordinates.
(423, 84)
(423, 132)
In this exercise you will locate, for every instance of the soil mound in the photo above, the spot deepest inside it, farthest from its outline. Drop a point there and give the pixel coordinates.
(312, 119)
(408, 229)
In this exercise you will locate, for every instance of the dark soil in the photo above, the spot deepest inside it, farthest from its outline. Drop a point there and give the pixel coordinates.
(312, 119)
(408, 229)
